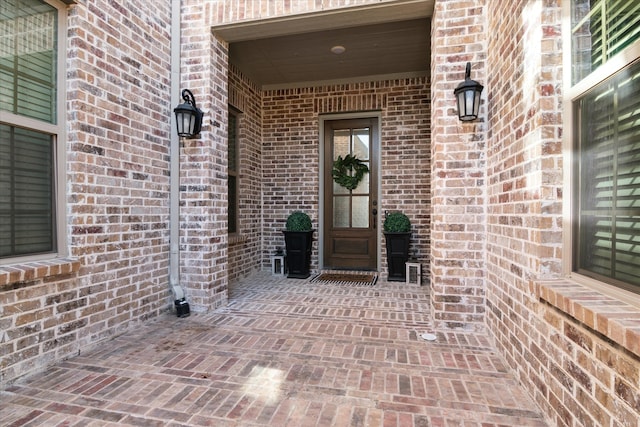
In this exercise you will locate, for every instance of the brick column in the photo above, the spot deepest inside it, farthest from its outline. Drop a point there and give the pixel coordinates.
(203, 165)
(458, 169)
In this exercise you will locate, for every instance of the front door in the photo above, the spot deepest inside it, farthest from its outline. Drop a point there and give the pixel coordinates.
(350, 216)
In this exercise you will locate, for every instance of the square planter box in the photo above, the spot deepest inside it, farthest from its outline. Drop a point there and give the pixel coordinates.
(397, 255)
(298, 244)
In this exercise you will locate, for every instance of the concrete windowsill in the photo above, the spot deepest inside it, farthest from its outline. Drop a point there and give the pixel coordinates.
(30, 271)
(613, 318)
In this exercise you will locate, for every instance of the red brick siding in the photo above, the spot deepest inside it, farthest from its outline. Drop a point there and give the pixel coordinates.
(245, 248)
(567, 359)
(290, 163)
(485, 197)
(118, 186)
(406, 162)
(203, 167)
(458, 233)
(204, 67)
(227, 11)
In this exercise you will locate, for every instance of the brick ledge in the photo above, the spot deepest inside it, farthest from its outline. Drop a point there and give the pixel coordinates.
(235, 239)
(28, 271)
(611, 317)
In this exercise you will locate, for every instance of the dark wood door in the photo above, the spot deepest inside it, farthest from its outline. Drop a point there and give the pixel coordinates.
(351, 216)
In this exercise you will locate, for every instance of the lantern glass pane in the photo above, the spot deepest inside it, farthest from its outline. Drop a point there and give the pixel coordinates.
(461, 111)
(179, 123)
(469, 102)
(185, 122)
(476, 105)
(188, 123)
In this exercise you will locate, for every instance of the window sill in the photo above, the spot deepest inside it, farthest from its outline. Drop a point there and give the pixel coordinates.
(614, 318)
(235, 239)
(30, 271)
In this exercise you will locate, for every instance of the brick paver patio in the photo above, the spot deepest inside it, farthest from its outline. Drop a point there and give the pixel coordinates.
(284, 352)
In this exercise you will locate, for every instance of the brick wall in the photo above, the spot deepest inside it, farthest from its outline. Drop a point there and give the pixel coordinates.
(291, 153)
(226, 11)
(118, 180)
(290, 163)
(574, 350)
(117, 201)
(458, 159)
(204, 67)
(485, 197)
(406, 162)
(245, 247)
(204, 239)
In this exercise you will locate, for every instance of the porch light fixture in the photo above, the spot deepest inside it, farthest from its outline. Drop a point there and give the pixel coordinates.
(468, 97)
(188, 116)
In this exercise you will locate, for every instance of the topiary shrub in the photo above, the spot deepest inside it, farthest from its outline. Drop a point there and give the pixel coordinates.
(298, 221)
(397, 222)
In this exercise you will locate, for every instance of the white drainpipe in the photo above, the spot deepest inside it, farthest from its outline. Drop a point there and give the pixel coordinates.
(174, 196)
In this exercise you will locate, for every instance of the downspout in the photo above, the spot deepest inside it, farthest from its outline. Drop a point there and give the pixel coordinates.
(174, 167)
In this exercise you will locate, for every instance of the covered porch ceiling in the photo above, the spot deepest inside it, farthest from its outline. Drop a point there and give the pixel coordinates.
(381, 41)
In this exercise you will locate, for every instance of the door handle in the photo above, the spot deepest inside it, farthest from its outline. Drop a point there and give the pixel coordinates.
(375, 219)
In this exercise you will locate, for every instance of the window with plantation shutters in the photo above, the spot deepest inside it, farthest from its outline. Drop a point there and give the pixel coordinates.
(28, 59)
(28, 127)
(606, 178)
(26, 192)
(608, 235)
(600, 30)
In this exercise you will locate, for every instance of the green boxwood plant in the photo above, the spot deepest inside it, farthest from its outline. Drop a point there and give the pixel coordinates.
(396, 222)
(298, 221)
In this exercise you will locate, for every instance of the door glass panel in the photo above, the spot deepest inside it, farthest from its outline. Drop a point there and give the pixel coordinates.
(361, 143)
(363, 186)
(360, 215)
(339, 189)
(341, 211)
(351, 208)
(341, 143)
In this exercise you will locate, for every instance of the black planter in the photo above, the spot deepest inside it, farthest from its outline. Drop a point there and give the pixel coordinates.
(397, 255)
(298, 244)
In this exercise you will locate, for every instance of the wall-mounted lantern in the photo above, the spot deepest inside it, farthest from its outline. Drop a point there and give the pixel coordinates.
(468, 97)
(188, 116)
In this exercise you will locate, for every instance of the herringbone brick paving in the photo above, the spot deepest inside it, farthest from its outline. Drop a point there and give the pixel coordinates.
(284, 352)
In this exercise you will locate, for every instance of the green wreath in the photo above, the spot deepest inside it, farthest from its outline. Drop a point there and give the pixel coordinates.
(348, 172)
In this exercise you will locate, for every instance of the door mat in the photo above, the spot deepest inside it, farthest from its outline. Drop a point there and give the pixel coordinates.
(352, 279)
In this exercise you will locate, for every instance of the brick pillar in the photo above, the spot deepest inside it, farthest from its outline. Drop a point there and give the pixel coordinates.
(203, 167)
(458, 169)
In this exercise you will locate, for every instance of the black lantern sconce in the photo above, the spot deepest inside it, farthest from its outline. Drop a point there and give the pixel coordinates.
(468, 97)
(188, 116)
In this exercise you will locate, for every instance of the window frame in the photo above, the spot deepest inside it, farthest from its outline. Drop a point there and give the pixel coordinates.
(572, 92)
(235, 172)
(58, 132)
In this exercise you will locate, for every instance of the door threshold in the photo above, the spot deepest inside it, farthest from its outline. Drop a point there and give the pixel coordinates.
(347, 270)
